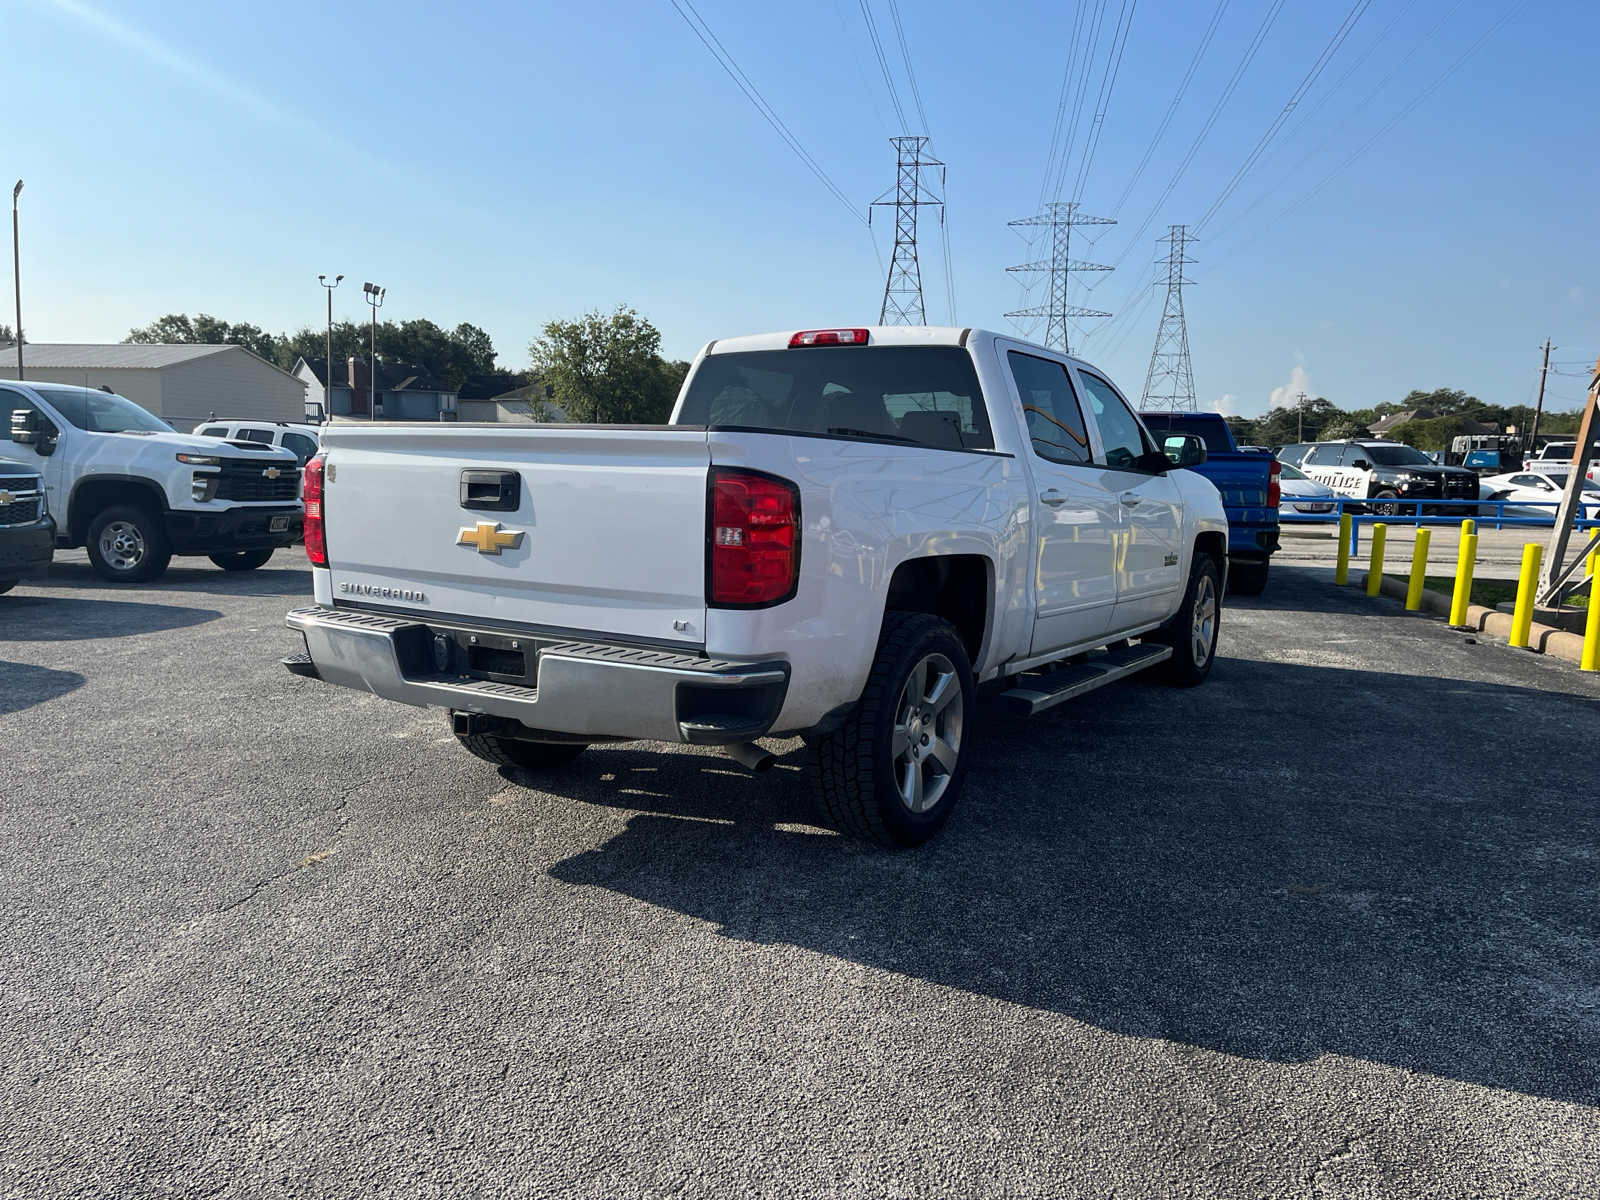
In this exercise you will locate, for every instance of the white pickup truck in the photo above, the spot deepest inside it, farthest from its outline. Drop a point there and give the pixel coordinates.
(840, 535)
(135, 492)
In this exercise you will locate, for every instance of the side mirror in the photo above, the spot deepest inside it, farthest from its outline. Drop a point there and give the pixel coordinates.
(24, 426)
(1184, 450)
(1361, 464)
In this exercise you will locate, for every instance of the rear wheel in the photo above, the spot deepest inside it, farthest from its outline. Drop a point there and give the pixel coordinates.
(511, 752)
(1247, 578)
(1381, 509)
(242, 560)
(128, 544)
(1192, 631)
(893, 772)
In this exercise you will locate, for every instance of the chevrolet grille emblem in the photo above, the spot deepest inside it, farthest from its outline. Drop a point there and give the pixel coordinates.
(489, 538)
(6, 497)
(272, 472)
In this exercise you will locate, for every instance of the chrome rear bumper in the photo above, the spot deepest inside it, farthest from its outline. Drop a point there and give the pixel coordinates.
(580, 688)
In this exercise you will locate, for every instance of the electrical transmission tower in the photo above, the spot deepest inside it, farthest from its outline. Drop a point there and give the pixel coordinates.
(902, 291)
(1169, 385)
(1059, 217)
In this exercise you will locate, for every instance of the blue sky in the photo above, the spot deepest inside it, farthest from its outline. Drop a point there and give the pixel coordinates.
(506, 163)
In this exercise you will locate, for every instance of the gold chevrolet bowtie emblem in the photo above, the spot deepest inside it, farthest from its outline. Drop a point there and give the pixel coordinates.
(489, 538)
(6, 497)
(272, 472)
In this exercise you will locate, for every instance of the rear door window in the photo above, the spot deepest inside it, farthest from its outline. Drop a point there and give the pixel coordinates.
(1050, 408)
(263, 436)
(924, 395)
(213, 431)
(300, 446)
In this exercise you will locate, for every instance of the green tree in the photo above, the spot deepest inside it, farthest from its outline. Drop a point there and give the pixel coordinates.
(206, 330)
(605, 368)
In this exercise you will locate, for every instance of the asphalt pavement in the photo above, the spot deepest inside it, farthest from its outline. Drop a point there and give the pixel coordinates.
(1327, 926)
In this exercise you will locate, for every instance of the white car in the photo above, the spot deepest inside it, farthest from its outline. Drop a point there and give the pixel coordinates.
(302, 441)
(1303, 493)
(1545, 487)
(841, 534)
(123, 483)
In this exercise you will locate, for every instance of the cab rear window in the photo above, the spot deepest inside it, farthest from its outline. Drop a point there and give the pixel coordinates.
(922, 395)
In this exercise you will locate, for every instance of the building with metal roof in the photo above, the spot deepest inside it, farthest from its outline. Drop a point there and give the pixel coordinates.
(183, 385)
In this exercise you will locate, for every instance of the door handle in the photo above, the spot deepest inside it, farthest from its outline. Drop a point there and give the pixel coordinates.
(1129, 500)
(1054, 497)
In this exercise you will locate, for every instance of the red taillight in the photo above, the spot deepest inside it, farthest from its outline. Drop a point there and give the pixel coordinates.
(316, 537)
(828, 337)
(754, 539)
(1274, 490)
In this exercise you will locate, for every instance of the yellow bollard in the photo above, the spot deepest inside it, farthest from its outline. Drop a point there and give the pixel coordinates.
(1465, 561)
(1341, 573)
(1375, 559)
(1522, 615)
(1594, 555)
(1468, 526)
(1590, 659)
(1419, 570)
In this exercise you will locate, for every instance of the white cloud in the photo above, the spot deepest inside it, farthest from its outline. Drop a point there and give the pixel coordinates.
(1228, 405)
(1284, 395)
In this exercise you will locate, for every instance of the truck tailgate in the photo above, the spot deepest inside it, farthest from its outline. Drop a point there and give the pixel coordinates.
(582, 529)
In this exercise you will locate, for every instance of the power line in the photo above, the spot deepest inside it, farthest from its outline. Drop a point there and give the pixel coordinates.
(1172, 108)
(1274, 7)
(1337, 40)
(1068, 76)
(883, 62)
(1421, 97)
(1108, 82)
(905, 53)
(1093, 44)
(727, 62)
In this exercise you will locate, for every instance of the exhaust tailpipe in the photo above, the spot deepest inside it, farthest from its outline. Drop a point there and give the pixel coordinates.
(750, 756)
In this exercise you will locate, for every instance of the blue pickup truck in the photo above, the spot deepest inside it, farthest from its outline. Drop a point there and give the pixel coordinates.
(1248, 481)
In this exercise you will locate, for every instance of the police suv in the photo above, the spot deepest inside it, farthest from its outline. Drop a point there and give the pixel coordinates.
(1387, 473)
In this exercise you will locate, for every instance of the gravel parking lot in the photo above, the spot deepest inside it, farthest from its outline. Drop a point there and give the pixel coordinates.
(1326, 926)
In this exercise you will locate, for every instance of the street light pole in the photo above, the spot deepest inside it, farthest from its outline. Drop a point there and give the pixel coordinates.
(375, 299)
(16, 271)
(327, 391)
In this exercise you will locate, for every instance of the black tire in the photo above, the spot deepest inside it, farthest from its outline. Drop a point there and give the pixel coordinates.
(529, 756)
(1247, 578)
(135, 549)
(242, 560)
(1379, 509)
(1187, 666)
(860, 791)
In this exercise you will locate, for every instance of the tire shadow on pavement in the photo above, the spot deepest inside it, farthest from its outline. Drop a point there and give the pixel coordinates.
(1376, 881)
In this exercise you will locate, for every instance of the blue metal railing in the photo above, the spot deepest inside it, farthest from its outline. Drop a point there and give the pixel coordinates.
(1487, 513)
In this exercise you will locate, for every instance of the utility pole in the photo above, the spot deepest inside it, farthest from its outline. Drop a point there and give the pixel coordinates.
(1169, 384)
(1544, 370)
(1059, 218)
(1299, 416)
(327, 391)
(902, 290)
(375, 299)
(1561, 576)
(16, 271)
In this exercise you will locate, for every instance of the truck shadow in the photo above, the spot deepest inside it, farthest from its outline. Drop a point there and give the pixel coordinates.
(22, 685)
(196, 575)
(34, 616)
(1353, 884)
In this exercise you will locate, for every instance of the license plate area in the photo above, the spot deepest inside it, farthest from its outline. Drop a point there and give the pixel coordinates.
(278, 524)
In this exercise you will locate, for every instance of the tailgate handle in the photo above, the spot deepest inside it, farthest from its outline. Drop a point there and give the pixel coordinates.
(495, 491)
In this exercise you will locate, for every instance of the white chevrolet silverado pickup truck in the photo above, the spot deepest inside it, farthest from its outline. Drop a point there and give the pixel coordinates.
(840, 535)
